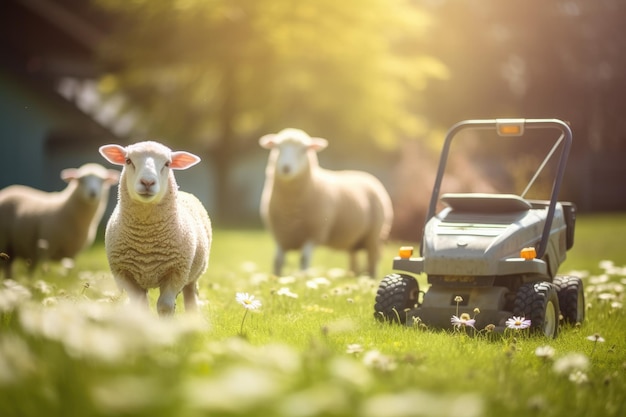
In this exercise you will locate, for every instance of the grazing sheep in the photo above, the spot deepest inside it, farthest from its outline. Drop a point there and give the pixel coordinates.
(304, 205)
(157, 236)
(37, 225)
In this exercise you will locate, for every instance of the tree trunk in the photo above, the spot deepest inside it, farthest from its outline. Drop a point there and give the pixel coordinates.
(223, 154)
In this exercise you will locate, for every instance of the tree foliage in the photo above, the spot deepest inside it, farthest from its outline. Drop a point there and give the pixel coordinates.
(226, 71)
(534, 58)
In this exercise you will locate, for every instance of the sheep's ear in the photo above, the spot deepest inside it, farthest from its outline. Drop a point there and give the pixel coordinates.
(183, 160)
(115, 154)
(69, 174)
(112, 176)
(318, 144)
(267, 141)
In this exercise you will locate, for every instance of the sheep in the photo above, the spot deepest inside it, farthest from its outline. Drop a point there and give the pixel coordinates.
(304, 205)
(157, 236)
(38, 226)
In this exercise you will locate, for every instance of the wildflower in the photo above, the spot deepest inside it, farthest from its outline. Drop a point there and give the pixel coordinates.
(43, 287)
(517, 323)
(606, 264)
(336, 273)
(606, 296)
(578, 377)
(570, 363)
(354, 348)
(544, 352)
(67, 263)
(248, 301)
(458, 299)
(464, 320)
(315, 283)
(375, 359)
(288, 279)
(596, 338)
(12, 294)
(286, 292)
(490, 328)
(599, 279)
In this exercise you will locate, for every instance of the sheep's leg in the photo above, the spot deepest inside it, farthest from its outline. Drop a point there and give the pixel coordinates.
(354, 267)
(190, 295)
(136, 294)
(373, 255)
(41, 256)
(166, 304)
(307, 254)
(279, 260)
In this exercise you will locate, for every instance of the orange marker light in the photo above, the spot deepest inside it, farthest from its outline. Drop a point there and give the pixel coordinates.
(510, 127)
(405, 252)
(528, 253)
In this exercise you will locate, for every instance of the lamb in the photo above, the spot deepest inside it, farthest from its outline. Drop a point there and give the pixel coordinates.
(157, 236)
(38, 226)
(304, 205)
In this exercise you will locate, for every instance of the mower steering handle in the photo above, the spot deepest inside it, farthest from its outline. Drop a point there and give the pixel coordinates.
(522, 124)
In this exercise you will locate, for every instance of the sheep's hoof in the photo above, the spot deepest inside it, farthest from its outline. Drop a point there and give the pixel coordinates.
(165, 309)
(163, 312)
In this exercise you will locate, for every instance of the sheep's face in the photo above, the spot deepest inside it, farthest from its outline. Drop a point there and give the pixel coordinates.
(147, 176)
(292, 151)
(291, 159)
(93, 180)
(91, 187)
(147, 168)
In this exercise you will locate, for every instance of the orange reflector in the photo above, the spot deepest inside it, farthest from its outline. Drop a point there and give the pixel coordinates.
(528, 253)
(405, 252)
(510, 127)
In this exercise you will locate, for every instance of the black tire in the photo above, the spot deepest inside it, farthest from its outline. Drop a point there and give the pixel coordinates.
(396, 293)
(539, 302)
(571, 298)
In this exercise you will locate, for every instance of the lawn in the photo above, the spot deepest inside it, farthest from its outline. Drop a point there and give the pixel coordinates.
(70, 346)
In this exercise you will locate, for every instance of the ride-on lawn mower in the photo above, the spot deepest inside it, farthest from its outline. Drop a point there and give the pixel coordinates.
(498, 253)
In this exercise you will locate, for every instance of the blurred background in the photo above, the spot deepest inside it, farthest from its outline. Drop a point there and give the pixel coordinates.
(382, 80)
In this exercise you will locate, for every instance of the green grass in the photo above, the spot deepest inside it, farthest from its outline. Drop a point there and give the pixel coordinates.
(70, 347)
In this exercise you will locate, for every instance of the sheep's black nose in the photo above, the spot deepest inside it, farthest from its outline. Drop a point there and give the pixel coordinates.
(286, 169)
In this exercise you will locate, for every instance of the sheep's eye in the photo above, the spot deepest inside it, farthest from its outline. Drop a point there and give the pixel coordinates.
(128, 161)
(167, 163)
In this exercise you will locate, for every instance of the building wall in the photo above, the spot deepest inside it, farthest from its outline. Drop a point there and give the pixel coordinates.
(23, 125)
(41, 134)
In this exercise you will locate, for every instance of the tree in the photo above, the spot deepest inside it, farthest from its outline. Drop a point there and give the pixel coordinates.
(534, 58)
(224, 72)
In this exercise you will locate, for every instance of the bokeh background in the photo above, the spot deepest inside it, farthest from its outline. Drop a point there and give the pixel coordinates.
(382, 80)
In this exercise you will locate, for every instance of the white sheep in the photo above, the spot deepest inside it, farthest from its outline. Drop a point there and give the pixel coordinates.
(157, 236)
(304, 205)
(37, 226)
